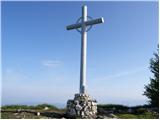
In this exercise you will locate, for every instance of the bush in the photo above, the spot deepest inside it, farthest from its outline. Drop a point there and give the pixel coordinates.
(7, 107)
(148, 115)
(42, 106)
(140, 111)
(114, 108)
(111, 106)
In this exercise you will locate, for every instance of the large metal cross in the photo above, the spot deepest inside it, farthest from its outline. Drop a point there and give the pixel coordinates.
(83, 27)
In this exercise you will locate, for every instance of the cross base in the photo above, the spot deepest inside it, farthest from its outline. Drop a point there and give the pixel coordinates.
(82, 106)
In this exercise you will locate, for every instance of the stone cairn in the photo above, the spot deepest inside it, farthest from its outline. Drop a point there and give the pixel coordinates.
(82, 107)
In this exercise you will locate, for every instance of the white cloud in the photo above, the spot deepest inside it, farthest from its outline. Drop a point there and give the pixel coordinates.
(122, 74)
(51, 63)
(13, 75)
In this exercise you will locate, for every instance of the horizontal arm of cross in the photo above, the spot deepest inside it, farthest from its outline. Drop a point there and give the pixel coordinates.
(87, 23)
(74, 26)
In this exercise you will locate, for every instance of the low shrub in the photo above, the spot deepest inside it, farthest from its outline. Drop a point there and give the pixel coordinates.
(111, 106)
(42, 106)
(10, 107)
(148, 115)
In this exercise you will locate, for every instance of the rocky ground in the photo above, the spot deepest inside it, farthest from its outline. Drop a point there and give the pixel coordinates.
(31, 114)
(82, 106)
(104, 112)
(42, 115)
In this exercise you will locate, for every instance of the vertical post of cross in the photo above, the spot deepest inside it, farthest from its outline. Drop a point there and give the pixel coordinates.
(83, 51)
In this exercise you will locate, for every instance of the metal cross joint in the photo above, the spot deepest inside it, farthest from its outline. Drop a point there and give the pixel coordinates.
(88, 27)
(90, 22)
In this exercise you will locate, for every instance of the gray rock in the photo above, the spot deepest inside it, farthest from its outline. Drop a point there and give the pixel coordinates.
(72, 112)
(83, 106)
(78, 107)
(38, 113)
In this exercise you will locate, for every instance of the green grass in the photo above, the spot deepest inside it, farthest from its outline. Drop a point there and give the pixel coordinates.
(26, 107)
(10, 111)
(121, 111)
(126, 116)
(145, 115)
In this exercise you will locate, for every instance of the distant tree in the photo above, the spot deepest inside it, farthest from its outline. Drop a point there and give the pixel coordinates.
(42, 106)
(152, 89)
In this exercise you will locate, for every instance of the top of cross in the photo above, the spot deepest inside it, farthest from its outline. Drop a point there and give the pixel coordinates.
(85, 21)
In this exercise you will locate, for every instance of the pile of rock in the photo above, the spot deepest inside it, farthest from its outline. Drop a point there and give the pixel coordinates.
(82, 107)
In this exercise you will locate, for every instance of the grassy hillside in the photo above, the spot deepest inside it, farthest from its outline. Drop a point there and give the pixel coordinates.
(47, 111)
(125, 112)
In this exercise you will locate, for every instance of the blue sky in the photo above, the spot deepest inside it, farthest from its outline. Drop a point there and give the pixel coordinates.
(41, 59)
